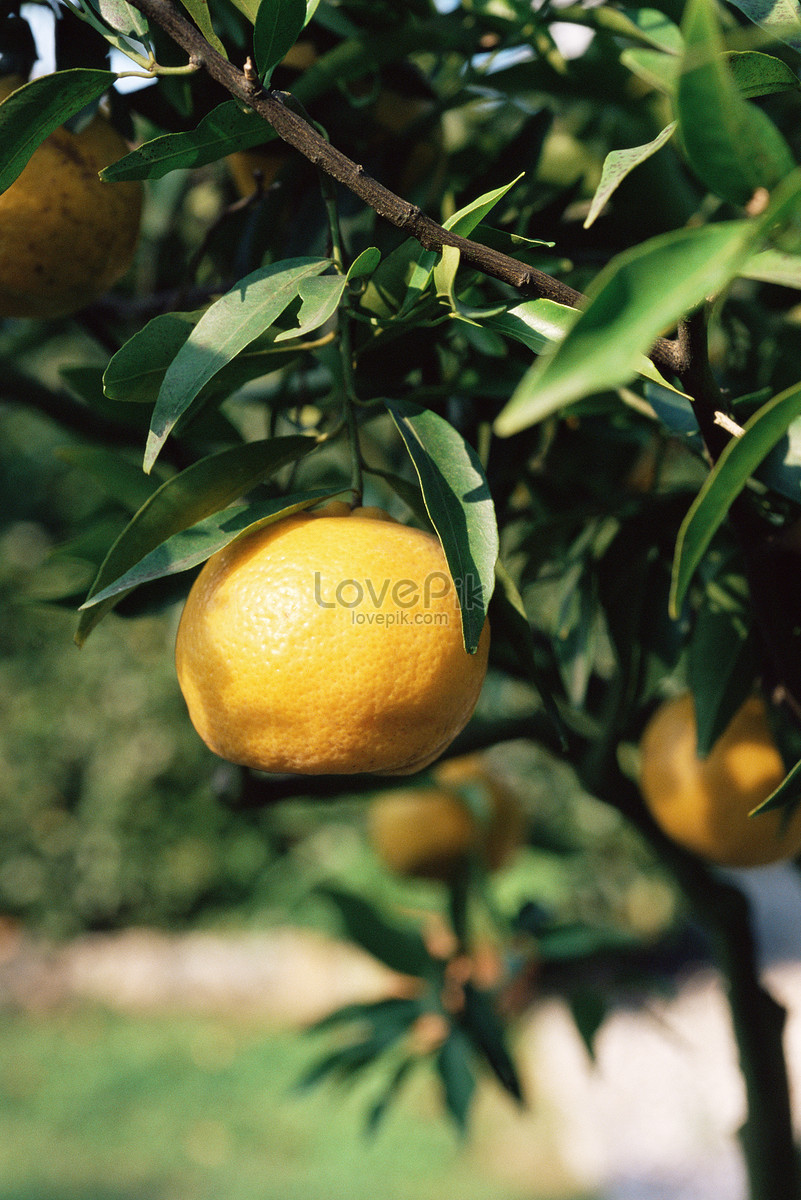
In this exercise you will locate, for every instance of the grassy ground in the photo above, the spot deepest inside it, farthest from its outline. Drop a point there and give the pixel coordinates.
(95, 1105)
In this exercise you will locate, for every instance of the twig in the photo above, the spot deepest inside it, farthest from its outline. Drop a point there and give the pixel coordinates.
(666, 354)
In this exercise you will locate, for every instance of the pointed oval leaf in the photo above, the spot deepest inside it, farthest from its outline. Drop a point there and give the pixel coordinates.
(227, 326)
(135, 373)
(733, 146)
(35, 110)
(459, 504)
(122, 17)
(787, 793)
(202, 489)
(726, 480)
(278, 26)
(758, 74)
(194, 545)
(199, 12)
(224, 131)
(402, 950)
(620, 163)
(458, 1077)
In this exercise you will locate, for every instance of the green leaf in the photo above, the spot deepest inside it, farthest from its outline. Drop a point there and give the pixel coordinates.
(620, 163)
(35, 110)
(364, 264)
(773, 266)
(726, 480)
(136, 372)
(589, 1010)
(638, 296)
(196, 493)
(278, 26)
(120, 479)
(400, 949)
(721, 661)
(658, 70)
(459, 504)
(320, 297)
(122, 17)
(248, 8)
(226, 328)
(759, 74)
(486, 1032)
(194, 545)
(663, 33)
(223, 131)
(787, 792)
(379, 1108)
(733, 146)
(458, 1079)
(199, 12)
(510, 620)
(781, 18)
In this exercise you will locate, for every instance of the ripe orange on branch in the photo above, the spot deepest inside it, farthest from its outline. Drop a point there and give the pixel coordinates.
(66, 237)
(432, 832)
(704, 804)
(328, 642)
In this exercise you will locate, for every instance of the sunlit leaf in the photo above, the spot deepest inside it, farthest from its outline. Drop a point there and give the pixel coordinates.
(460, 507)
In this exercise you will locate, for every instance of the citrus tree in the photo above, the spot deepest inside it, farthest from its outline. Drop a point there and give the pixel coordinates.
(460, 344)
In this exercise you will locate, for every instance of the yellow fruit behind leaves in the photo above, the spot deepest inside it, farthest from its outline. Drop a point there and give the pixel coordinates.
(65, 236)
(432, 832)
(328, 643)
(703, 804)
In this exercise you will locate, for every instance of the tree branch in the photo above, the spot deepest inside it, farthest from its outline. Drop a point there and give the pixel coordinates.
(666, 354)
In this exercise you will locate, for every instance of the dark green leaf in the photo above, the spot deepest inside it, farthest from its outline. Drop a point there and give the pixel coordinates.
(379, 1108)
(278, 26)
(589, 1011)
(722, 661)
(732, 145)
(620, 163)
(400, 949)
(485, 1030)
(191, 547)
(226, 328)
(33, 111)
(225, 130)
(458, 1079)
(196, 493)
(761, 74)
(460, 507)
(653, 24)
(731, 472)
(120, 479)
(510, 620)
(380, 1011)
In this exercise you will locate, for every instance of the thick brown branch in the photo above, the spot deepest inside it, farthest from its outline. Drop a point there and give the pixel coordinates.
(667, 355)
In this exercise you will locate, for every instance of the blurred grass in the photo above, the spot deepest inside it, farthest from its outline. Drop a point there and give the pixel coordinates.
(95, 1105)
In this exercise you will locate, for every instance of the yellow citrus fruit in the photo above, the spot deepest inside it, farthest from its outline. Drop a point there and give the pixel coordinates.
(65, 236)
(328, 642)
(431, 832)
(703, 804)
